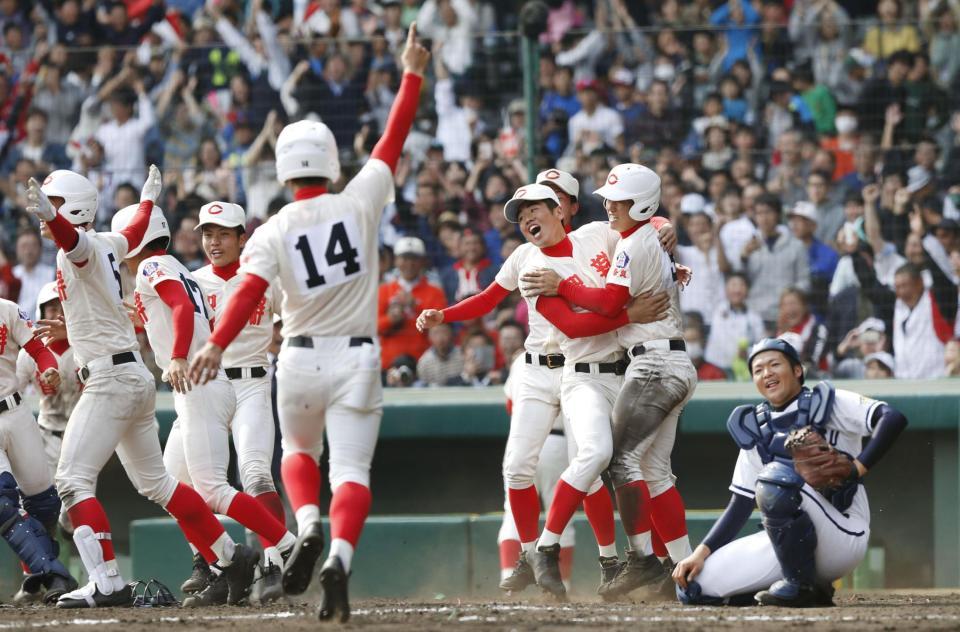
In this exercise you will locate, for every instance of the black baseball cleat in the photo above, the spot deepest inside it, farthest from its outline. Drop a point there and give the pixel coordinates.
(215, 594)
(638, 570)
(785, 594)
(521, 578)
(546, 569)
(57, 586)
(239, 574)
(30, 591)
(271, 583)
(298, 570)
(334, 605)
(90, 597)
(609, 568)
(667, 588)
(199, 578)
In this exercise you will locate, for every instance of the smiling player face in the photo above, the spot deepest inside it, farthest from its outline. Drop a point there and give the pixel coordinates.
(222, 245)
(541, 225)
(776, 380)
(618, 212)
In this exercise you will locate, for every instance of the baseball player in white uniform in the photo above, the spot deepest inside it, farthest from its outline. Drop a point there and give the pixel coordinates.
(23, 470)
(175, 315)
(115, 411)
(323, 249)
(245, 362)
(810, 536)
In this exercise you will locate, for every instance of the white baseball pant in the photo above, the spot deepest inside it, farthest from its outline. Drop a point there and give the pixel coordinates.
(587, 400)
(51, 448)
(333, 387)
(21, 447)
(115, 412)
(749, 564)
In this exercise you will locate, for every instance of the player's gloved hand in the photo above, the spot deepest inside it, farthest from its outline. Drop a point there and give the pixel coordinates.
(206, 364)
(539, 282)
(428, 319)
(38, 204)
(415, 57)
(50, 330)
(177, 375)
(648, 307)
(152, 187)
(51, 379)
(668, 237)
(689, 567)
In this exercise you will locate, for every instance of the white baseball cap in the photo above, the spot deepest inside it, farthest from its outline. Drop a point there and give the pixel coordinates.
(806, 210)
(872, 324)
(409, 246)
(693, 203)
(528, 193)
(562, 180)
(226, 214)
(883, 358)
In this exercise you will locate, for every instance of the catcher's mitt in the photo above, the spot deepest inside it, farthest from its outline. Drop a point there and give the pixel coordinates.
(819, 464)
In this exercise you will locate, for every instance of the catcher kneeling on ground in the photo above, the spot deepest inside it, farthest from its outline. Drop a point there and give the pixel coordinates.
(796, 463)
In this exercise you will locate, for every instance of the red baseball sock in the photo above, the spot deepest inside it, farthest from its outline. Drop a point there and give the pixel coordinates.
(566, 499)
(251, 514)
(669, 515)
(26, 569)
(301, 479)
(272, 503)
(509, 554)
(90, 512)
(196, 520)
(633, 501)
(349, 508)
(599, 509)
(566, 562)
(525, 507)
(659, 549)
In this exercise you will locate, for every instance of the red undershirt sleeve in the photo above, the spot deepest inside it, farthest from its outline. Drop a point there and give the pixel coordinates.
(137, 228)
(238, 310)
(64, 233)
(606, 301)
(658, 222)
(477, 305)
(399, 122)
(175, 296)
(574, 324)
(40, 354)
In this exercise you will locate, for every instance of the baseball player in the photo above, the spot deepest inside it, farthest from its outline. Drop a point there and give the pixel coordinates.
(659, 380)
(797, 465)
(173, 309)
(115, 411)
(23, 470)
(538, 402)
(246, 366)
(323, 248)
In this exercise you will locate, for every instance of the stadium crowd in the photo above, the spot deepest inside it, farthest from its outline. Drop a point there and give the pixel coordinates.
(809, 152)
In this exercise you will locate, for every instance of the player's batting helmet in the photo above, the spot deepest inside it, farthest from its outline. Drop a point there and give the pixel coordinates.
(630, 181)
(157, 228)
(47, 293)
(79, 195)
(307, 149)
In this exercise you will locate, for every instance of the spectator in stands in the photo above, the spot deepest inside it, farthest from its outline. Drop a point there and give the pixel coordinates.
(796, 318)
(46, 155)
(401, 300)
(186, 245)
(119, 30)
(60, 100)
(706, 258)
(402, 373)
(859, 344)
(123, 137)
(595, 125)
(660, 124)
(788, 178)
(442, 363)
(821, 30)
(803, 220)
(920, 329)
(333, 95)
(74, 22)
(456, 122)
(9, 283)
(826, 208)
(450, 23)
(734, 327)
(207, 177)
(883, 92)
(32, 273)
(880, 366)
(510, 342)
(471, 273)
(951, 357)
(735, 18)
(773, 260)
(890, 35)
(478, 361)
(693, 336)
(944, 43)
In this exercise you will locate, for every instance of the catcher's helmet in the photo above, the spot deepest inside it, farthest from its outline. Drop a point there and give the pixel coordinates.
(776, 344)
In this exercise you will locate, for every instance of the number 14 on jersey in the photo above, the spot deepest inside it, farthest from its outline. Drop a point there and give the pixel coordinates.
(327, 254)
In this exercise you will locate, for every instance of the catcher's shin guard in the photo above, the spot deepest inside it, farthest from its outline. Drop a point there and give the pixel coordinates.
(790, 530)
(25, 535)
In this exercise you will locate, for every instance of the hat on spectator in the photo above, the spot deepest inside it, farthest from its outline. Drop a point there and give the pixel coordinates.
(410, 246)
(448, 217)
(693, 203)
(517, 106)
(588, 84)
(948, 224)
(202, 22)
(224, 214)
(804, 209)
(883, 358)
(529, 193)
(560, 179)
(622, 77)
(917, 178)
(872, 324)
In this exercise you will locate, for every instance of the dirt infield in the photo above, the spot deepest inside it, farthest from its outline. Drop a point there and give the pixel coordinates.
(916, 610)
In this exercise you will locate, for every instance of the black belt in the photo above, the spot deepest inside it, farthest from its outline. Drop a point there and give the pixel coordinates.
(118, 358)
(56, 433)
(551, 360)
(306, 342)
(558, 432)
(236, 373)
(616, 368)
(4, 406)
(675, 345)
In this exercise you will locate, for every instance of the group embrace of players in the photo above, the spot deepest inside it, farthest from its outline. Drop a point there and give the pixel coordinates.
(605, 361)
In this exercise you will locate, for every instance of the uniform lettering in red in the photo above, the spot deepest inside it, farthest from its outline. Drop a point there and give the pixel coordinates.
(141, 312)
(61, 286)
(257, 314)
(3, 339)
(601, 263)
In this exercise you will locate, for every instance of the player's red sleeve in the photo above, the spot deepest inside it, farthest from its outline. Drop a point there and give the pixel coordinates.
(658, 222)
(175, 296)
(137, 228)
(399, 121)
(40, 354)
(477, 305)
(509, 407)
(575, 324)
(64, 233)
(606, 301)
(238, 310)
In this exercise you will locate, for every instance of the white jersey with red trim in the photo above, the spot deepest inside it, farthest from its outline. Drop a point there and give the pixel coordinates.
(16, 330)
(641, 265)
(92, 296)
(157, 316)
(324, 250)
(249, 348)
(543, 338)
(55, 405)
(589, 264)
